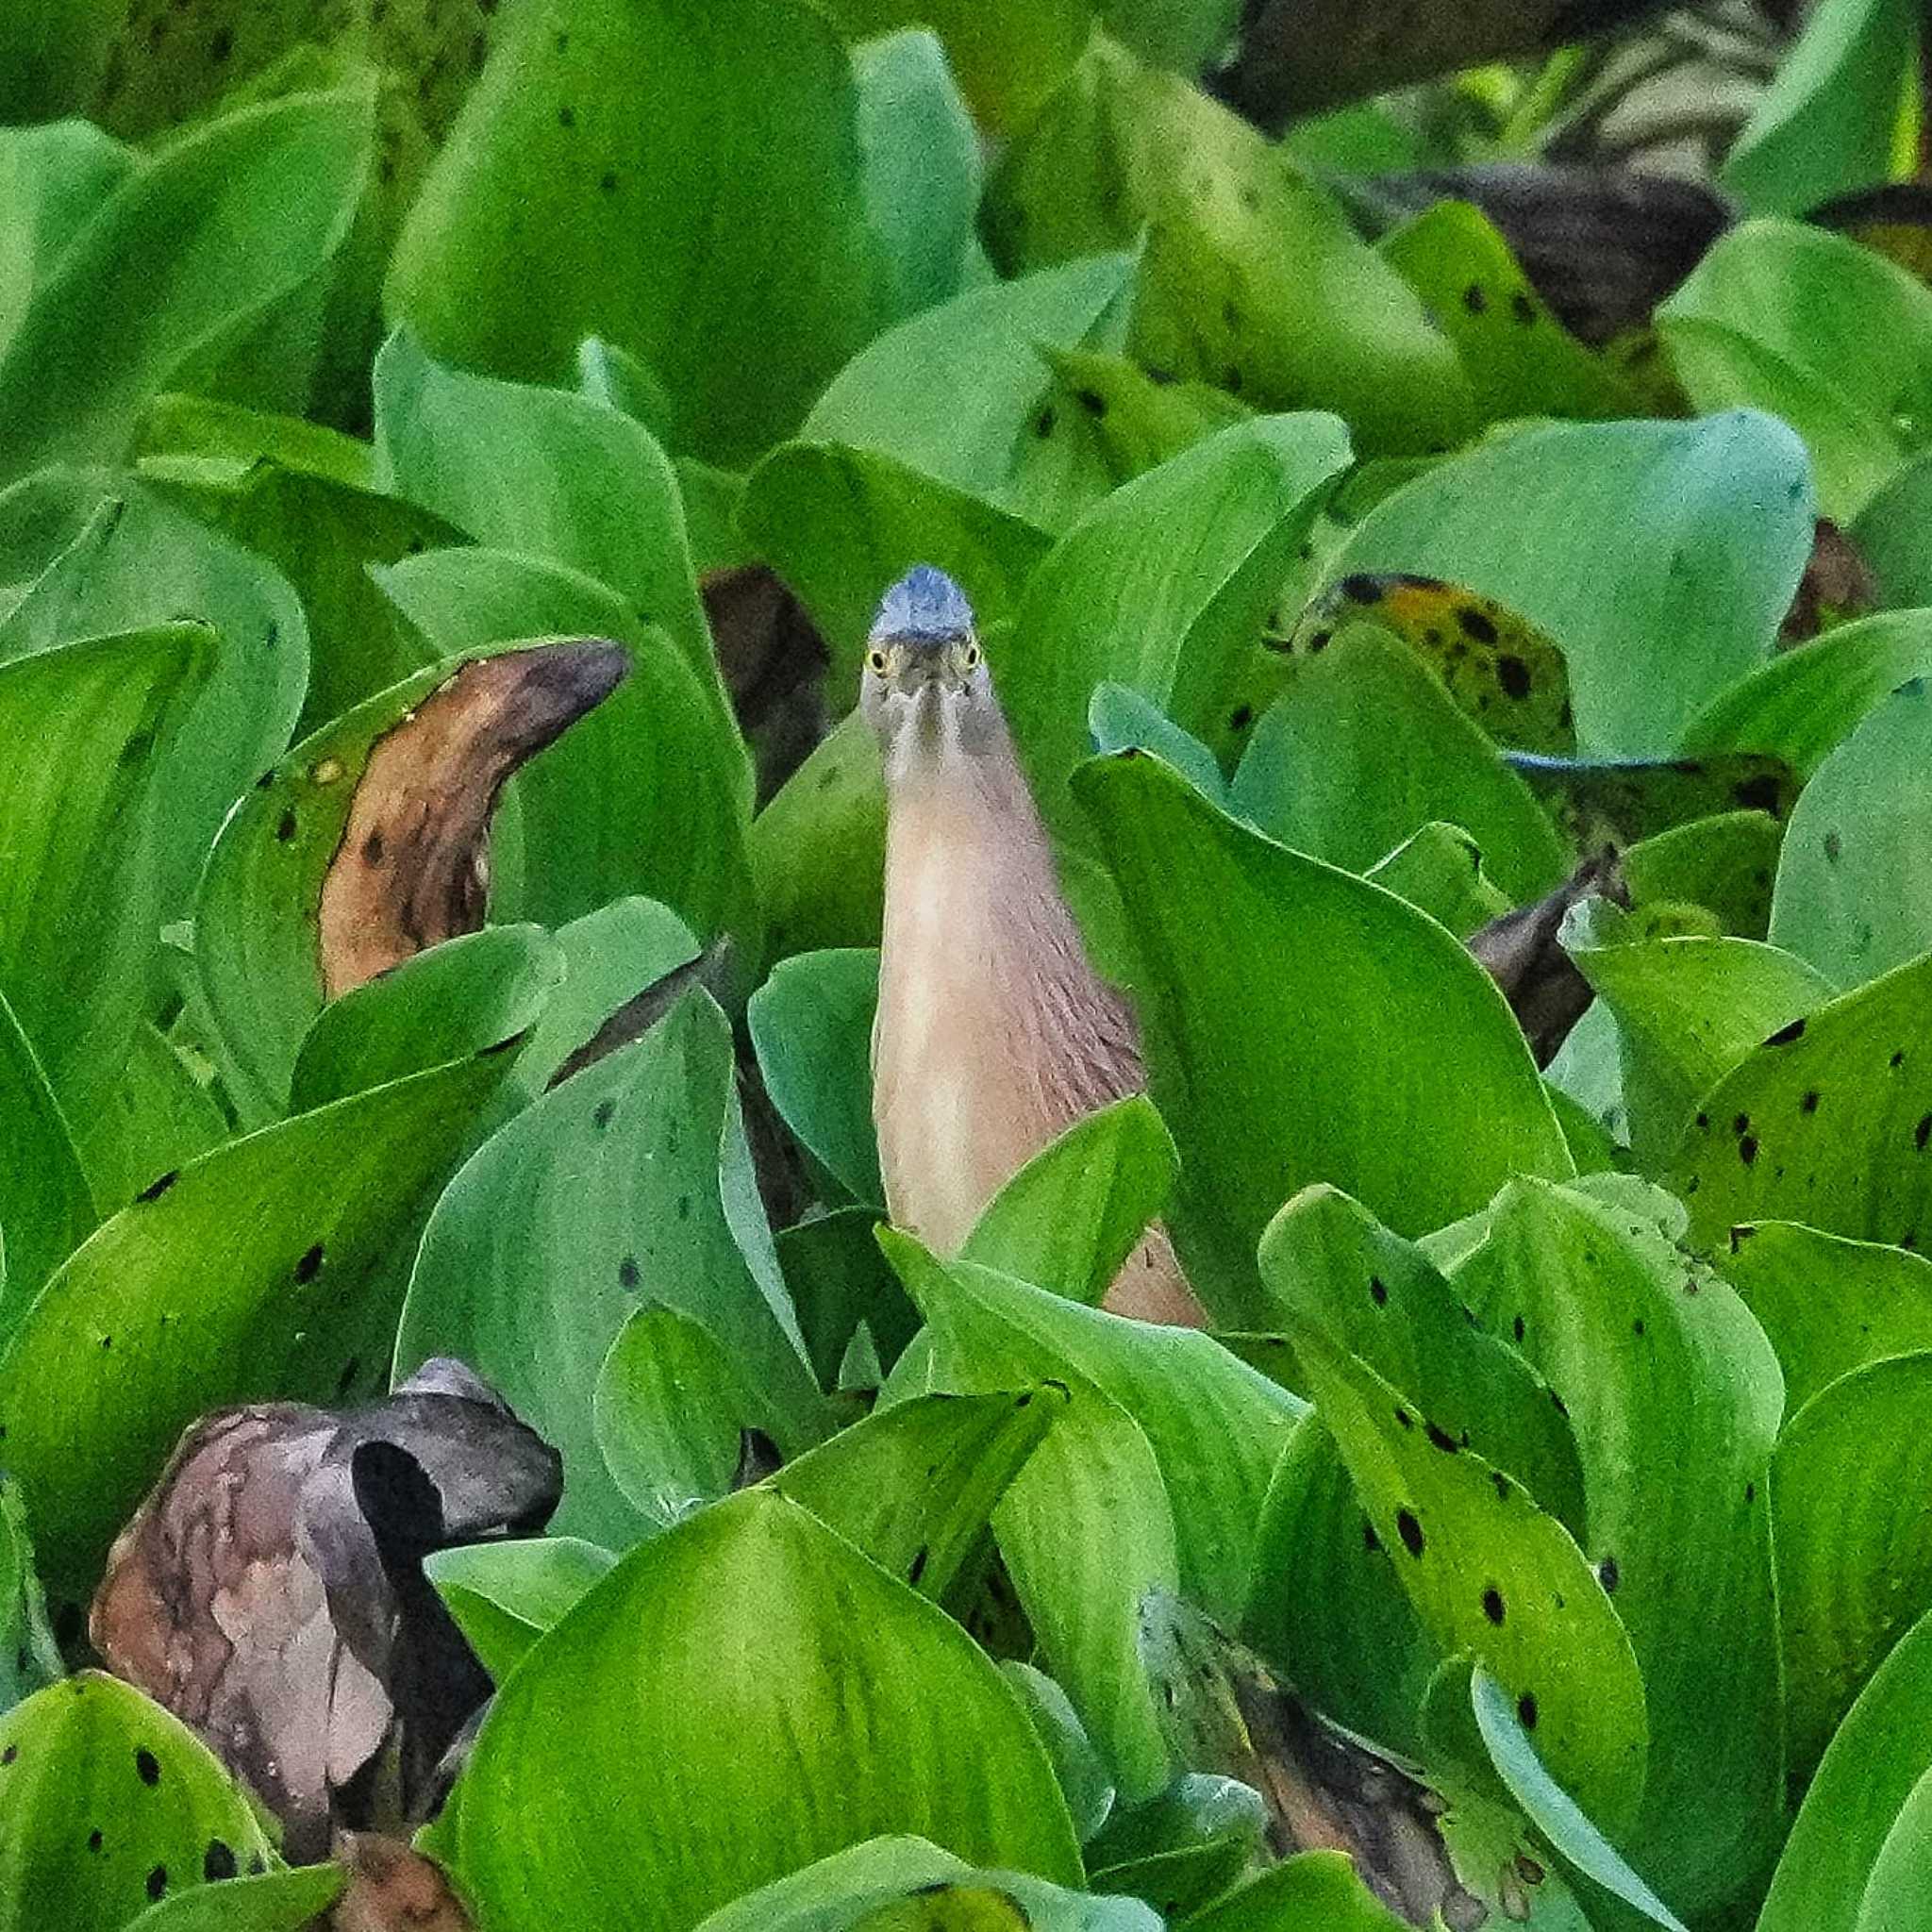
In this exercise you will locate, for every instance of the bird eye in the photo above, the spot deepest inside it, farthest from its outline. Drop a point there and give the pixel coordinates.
(972, 656)
(877, 661)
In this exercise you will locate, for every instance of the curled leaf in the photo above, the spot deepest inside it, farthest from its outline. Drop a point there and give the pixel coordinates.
(1546, 990)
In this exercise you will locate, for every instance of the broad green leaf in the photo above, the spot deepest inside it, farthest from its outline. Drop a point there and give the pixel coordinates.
(1107, 417)
(108, 1804)
(80, 825)
(1854, 1555)
(1253, 277)
(1828, 335)
(1365, 747)
(1726, 864)
(1439, 869)
(1403, 1079)
(29, 1655)
(245, 1276)
(684, 183)
(468, 993)
(159, 1115)
(1647, 1347)
(1076, 1765)
(504, 1596)
(839, 524)
(1901, 1873)
(812, 1026)
(1069, 1218)
(269, 1902)
(818, 850)
(46, 1209)
(1828, 1122)
(1660, 556)
(1829, 1306)
(1306, 1890)
(1120, 717)
(1803, 703)
(1083, 1598)
(128, 560)
(51, 181)
(788, 1699)
(953, 391)
(1469, 1542)
(1826, 123)
(1599, 802)
(623, 1186)
(187, 253)
(913, 1486)
(1120, 600)
(1869, 1771)
(552, 475)
(1183, 1848)
(1854, 892)
(1890, 535)
(840, 1283)
(647, 794)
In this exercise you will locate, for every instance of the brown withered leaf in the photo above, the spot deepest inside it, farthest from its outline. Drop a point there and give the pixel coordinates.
(773, 663)
(392, 1889)
(1838, 585)
(270, 1589)
(412, 868)
(1545, 992)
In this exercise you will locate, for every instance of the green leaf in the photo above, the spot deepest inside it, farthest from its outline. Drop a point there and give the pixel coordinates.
(1602, 802)
(187, 253)
(272, 1902)
(1827, 1121)
(625, 1185)
(1253, 277)
(1827, 334)
(1725, 864)
(1076, 1764)
(1120, 599)
(1118, 716)
(840, 1282)
(94, 1756)
(1868, 1778)
(1365, 747)
(504, 1596)
(1071, 1217)
(1439, 869)
(1660, 556)
(811, 1024)
(792, 1699)
(45, 1207)
(1854, 892)
(1183, 1848)
(1890, 535)
(1646, 1346)
(1828, 122)
(245, 1276)
(1305, 1890)
(686, 184)
(52, 178)
(1404, 1080)
(29, 1655)
(79, 913)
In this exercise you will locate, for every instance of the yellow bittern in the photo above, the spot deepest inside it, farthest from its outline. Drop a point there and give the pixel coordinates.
(994, 1033)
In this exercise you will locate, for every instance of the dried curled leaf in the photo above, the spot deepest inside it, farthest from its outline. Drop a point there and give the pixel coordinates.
(412, 868)
(1838, 585)
(1546, 990)
(393, 1889)
(270, 1592)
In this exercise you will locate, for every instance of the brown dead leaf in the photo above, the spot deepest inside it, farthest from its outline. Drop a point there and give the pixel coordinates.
(1838, 585)
(773, 663)
(1540, 982)
(393, 1889)
(413, 865)
(270, 1589)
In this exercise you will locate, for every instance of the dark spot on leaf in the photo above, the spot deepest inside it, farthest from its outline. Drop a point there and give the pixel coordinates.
(1608, 1575)
(920, 1556)
(1517, 1329)
(1523, 308)
(1241, 718)
(1474, 624)
(1747, 1149)
(285, 827)
(627, 1270)
(1526, 1710)
(1092, 401)
(1360, 589)
(93, 1841)
(1043, 423)
(1923, 1132)
(1475, 300)
(217, 1862)
(1785, 1035)
(1442, 1439)
(1378, 1292)
(607, 182)
(601, 1113)
(13, 1751)
(309, 1266)
(566, 117)
(1493, 1604)
(1512, 674)
(157, 1187)
(1371, 1542)
(1750, 1493)
(1319, 642)
(1809, 1103)
(147, 1767)
(1898, 1060)
(222, 45)
(1502, 1485)
(1834, 847)
(1410, 1532)
(158, 1882)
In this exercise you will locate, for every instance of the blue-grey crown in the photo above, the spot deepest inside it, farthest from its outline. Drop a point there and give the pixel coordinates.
(924, 605)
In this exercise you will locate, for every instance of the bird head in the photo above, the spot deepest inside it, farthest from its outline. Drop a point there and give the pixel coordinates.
(926, 686)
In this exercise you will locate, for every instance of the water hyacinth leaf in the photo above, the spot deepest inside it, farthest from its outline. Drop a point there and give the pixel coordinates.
(1076, 1764)
(811, 1024)
(1270, 1070)
(1828, 1305)
(1726, 863)
(1790, 318)
(1467, 1542)
(1637, 1339)
(1249, 264)
(29, 1655)
(1105, 415)
(1365, 747)
(1827, 1123)
(463, 994)
(1505, 674)
(1853, 1559)
(95, 1756)
(745, 127)
(1184, 1848)
(674, 828)
(833, 1705)
(952, 392)
(1804, 704)
(47, 1208)
(52, 178)
(191, 250)
(839, 524)
(1083, 1602)
(1613, 802)
(160, 1115)
(1855, 884)
(506, 1595)
(1310, 1889)
(611, 1191)
(1119, 717)
(1517, 357)
(840, 1283)
(1612, 539)
(548, 473)
(79, 892)
(913, 1486)
(1869, 1773)
(1439, 869)
(1889, 534)
(245, 1275)
(267, 1902)
(1069, 1218)
(126, 559)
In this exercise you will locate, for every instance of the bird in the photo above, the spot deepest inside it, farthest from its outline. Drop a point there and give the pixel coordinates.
(993, 1033)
